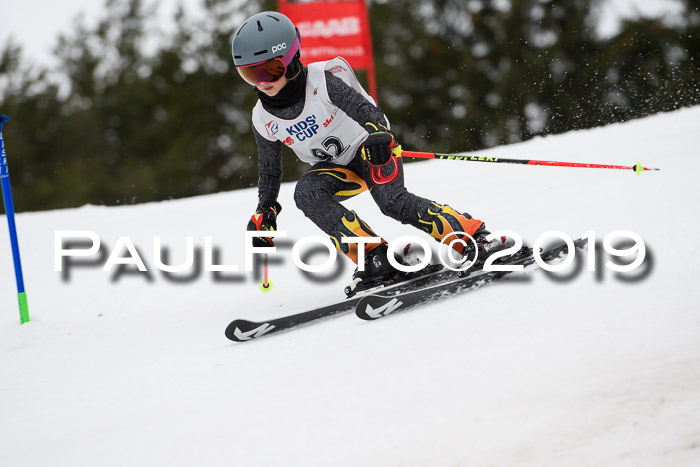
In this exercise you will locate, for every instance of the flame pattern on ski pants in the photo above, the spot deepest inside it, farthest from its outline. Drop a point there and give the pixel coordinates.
(319, 193)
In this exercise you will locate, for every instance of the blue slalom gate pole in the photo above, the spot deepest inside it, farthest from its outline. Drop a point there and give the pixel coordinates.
(10, 212)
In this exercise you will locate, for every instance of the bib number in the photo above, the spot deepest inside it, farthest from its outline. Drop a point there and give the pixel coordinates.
(332, 149)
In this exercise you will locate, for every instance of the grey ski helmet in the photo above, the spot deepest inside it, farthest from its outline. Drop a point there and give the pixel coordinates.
(262, 37)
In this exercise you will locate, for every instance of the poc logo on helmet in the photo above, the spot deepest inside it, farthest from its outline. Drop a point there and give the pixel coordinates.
(278, 47)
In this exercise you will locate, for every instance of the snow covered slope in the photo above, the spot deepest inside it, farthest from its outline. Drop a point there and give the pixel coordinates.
(134, 369)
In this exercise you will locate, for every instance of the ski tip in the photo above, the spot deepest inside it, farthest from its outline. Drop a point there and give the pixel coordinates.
(241, 330)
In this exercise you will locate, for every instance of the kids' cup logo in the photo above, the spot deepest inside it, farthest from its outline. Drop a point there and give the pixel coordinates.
(307, 128)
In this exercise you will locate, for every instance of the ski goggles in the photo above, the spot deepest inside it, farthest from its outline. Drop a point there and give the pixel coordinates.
(271, 70)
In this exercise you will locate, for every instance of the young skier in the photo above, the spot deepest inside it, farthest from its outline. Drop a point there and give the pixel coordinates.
(325, 116)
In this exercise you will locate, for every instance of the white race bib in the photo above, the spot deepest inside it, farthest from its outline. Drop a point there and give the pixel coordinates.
(322, 132)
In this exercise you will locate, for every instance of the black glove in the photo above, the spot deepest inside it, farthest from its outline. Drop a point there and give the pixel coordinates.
(377, 148)
(265, 218)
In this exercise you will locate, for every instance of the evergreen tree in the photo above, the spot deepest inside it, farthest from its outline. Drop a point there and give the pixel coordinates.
(122, 120)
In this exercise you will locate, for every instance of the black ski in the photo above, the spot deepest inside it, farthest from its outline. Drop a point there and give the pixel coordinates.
(377, 305)
(242, 330)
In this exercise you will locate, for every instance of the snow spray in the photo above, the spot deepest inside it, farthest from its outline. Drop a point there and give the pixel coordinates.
(10, 212)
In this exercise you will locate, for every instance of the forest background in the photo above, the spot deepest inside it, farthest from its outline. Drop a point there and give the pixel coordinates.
(120, 120)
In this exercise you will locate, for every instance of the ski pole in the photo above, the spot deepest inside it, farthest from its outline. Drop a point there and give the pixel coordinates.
(638, 168)
(10, 213)
(266, 285)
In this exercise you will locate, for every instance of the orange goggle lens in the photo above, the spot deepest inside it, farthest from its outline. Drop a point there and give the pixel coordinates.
(265, 72)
